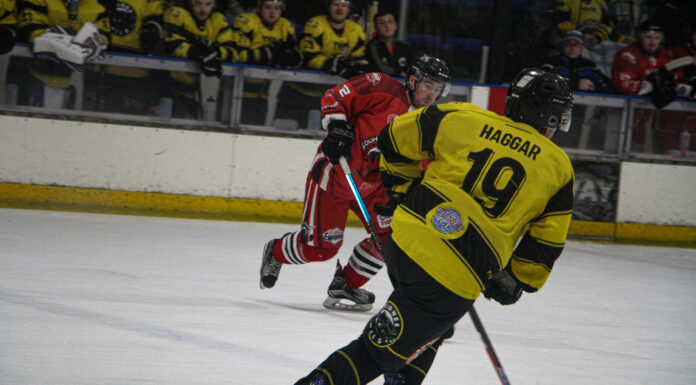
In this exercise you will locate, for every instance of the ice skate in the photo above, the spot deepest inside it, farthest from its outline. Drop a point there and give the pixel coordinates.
(270, 268)
(342, 297)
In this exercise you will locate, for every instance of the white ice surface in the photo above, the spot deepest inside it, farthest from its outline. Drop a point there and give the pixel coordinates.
(108, 299)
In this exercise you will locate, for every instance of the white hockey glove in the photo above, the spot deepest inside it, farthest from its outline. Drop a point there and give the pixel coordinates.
(58, 44)
(90, 38)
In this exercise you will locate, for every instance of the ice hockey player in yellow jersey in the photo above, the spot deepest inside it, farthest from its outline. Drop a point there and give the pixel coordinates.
(333, 43)
(201, 33)
(490, 182)
(265, 37)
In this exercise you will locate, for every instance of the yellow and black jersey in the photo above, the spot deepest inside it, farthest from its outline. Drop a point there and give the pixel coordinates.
(8, 15)
(182, 31)
(320, 41)
(490, 182)
(251, 34)
(37, 16)
(582, 14)
(126, 20)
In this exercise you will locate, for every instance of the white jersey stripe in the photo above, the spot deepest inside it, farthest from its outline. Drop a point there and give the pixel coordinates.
(367, 273)
(363, 253)
(290, 250)
(312, 204)
(324, 181)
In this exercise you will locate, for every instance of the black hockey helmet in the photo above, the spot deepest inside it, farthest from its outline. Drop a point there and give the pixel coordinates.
(432, 68)
(541, 99)
(650, 26)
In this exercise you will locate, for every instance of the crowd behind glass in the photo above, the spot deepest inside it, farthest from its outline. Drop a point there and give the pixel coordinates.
(629, 47)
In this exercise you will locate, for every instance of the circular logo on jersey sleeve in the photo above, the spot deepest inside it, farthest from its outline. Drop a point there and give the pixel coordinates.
(447, 222)
(123, 19)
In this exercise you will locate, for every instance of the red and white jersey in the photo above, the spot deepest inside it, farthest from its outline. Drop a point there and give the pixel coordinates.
(368, 102)
(631, 66)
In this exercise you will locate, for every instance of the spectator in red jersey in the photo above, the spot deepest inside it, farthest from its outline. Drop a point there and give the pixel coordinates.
(354, 113)
(638, 67)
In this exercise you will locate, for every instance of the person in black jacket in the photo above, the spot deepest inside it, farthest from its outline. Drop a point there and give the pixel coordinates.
(582, 74)
(384, 52)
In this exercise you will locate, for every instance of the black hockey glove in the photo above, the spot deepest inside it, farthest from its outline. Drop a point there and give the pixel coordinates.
(286, 56)
(209, 58)
(338, 141)
(198, 50)
(503, 287)
(336, 65)
(664, 88)
(150, 35)
(7, 40)
(387, 209)
(356, 67)
(265, 56)
(345, 67)
(211, 65)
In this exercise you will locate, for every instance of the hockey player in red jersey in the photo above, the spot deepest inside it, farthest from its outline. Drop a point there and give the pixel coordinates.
(354, 113)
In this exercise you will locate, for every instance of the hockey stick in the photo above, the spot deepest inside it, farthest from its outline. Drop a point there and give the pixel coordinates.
(680, 62)
(361, 204)
(489, 347)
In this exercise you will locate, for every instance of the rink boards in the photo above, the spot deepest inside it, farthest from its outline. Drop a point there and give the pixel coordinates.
(83, 166)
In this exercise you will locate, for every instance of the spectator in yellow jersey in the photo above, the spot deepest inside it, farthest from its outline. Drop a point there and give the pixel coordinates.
(8, 25)
(265, 37)
(55, 22)
(490, 214)
(333, 43)
(201, 33)
(136, 27)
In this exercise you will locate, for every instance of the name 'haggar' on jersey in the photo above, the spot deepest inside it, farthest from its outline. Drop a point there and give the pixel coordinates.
(526, 147)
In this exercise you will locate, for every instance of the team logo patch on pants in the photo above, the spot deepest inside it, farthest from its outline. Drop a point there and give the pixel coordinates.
(385, 327)
(333, 236)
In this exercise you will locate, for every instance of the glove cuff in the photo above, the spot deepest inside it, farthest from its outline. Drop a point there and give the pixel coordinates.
(336, 124)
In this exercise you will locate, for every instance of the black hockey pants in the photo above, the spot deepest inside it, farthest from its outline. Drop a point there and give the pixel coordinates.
(404, 335)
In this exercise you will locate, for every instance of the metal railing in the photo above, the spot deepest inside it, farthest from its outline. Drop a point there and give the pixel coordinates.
(268, 101)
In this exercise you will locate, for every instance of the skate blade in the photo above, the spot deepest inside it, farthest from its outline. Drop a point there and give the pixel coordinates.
(336, 304)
